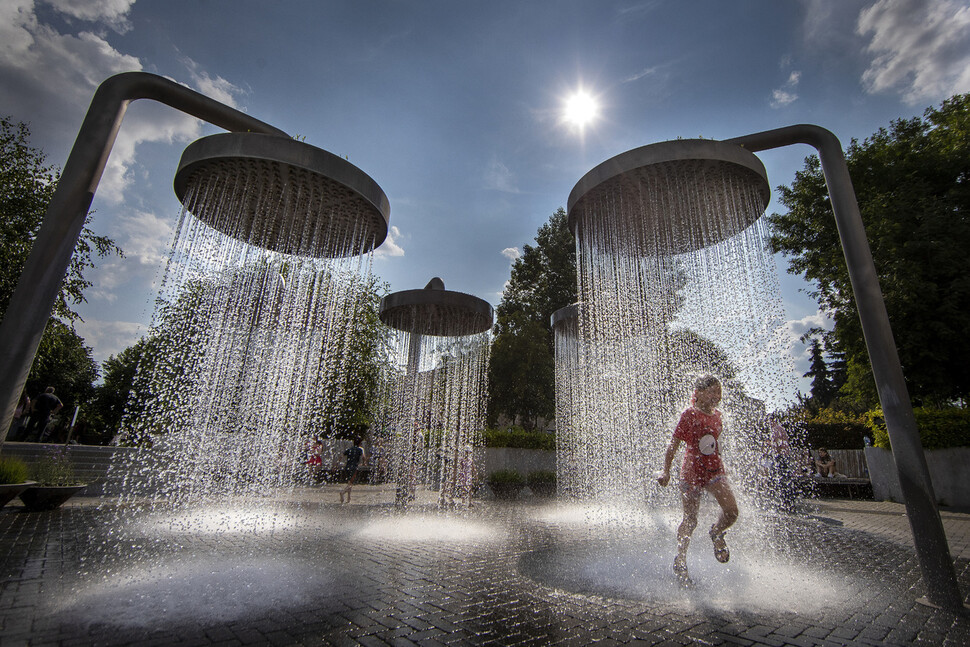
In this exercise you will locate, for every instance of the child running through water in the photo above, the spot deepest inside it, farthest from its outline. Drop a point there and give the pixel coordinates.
(699, 429)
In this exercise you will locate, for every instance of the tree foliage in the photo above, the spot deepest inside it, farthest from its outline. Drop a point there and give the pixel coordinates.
(912, 181)
(26, 187)
(521, 367)
(27, 184)
(65, 363)
(827, 376)
(350, 391)
(119, 379)
(522, 382)
(543, 278)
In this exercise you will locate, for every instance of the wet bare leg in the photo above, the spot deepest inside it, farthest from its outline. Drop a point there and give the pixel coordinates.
(721, 490)
(691, 499)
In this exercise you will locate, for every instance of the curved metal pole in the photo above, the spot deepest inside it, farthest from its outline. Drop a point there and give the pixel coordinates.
(30, 306)
(932, 549)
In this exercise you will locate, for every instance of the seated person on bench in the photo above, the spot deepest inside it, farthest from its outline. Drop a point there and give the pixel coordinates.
(825, 464)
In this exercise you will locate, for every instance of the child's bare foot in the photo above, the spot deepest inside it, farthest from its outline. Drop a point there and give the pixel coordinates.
(721, 552)
(680, 570)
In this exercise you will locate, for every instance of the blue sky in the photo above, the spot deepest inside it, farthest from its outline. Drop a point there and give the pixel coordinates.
(455, 108)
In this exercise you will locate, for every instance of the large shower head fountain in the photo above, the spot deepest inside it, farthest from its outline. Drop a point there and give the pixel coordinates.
(443, 349)
(282, 194)
(565, 317)
(683, 196)
(436, 311)
(673, 197)
(346, 212)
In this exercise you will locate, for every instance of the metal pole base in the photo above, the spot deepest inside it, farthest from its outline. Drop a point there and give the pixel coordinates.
(964, 612)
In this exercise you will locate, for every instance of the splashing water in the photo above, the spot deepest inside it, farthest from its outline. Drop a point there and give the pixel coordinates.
(673, 282)
(249, 349)
(436, 415)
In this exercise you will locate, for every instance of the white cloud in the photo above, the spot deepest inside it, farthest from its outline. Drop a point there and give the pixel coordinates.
(50, 77)
(390, 246)
(649, 71)
(786, 95)
(216, 88)
(147, 241)
(920, 49)
(799, 327)
(511, 253)
(828, 25)
(638, 8)
(17, 21)
(112, 12)
(781, 98)
(498, 177)
(106, 279)
(39, 65)
(800, 352)
(109, 337)
(146, 238)
(795, 328)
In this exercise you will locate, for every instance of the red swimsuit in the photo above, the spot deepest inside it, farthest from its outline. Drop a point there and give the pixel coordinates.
(699, 431)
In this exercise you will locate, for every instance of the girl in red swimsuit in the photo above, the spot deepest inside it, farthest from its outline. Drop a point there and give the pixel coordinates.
(699, 429)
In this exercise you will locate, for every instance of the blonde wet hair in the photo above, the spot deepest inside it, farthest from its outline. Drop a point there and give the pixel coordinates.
(705, 382)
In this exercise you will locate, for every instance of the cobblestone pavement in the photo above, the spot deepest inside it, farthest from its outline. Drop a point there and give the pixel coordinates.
(309, 571)
(888, 520)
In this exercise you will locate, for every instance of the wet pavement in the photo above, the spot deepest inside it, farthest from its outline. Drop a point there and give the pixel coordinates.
(308, 571)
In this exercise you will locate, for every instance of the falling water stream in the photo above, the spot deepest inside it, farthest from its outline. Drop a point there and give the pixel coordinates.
(437, 413)
(674, 282)
(247, 346)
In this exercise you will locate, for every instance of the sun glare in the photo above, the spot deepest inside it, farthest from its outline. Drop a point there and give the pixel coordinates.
(580, 109)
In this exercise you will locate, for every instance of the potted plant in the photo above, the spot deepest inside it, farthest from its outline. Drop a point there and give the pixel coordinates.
(505, 484)
(56, 482)
(13, 479)
(542, 483)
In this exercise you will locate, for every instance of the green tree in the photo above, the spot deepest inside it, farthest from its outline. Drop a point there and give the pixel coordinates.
(112, 395)
(350, 389)
(26, 187)
(544, 278)
(65, 363)
(521, 367)
(522, 372)
(824, 388)
(911, 181)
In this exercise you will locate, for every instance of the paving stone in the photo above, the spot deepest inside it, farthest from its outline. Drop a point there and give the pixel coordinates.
(478, 593)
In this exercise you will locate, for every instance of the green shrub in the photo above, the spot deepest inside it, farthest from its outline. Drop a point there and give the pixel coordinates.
(54, 469)
(508, 476)
(12, 470)
(835, 430)
(519, 438)
(938, 428)
(540, 477)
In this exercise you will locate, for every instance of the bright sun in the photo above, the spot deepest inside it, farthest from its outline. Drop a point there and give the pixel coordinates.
(580, 109)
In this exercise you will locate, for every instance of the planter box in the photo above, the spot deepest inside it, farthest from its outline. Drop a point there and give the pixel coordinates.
(10, 491)
(949, 473)
(48, 497)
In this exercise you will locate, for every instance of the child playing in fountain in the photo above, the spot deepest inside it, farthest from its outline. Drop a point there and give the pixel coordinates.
(699, 428)
(355, 456)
